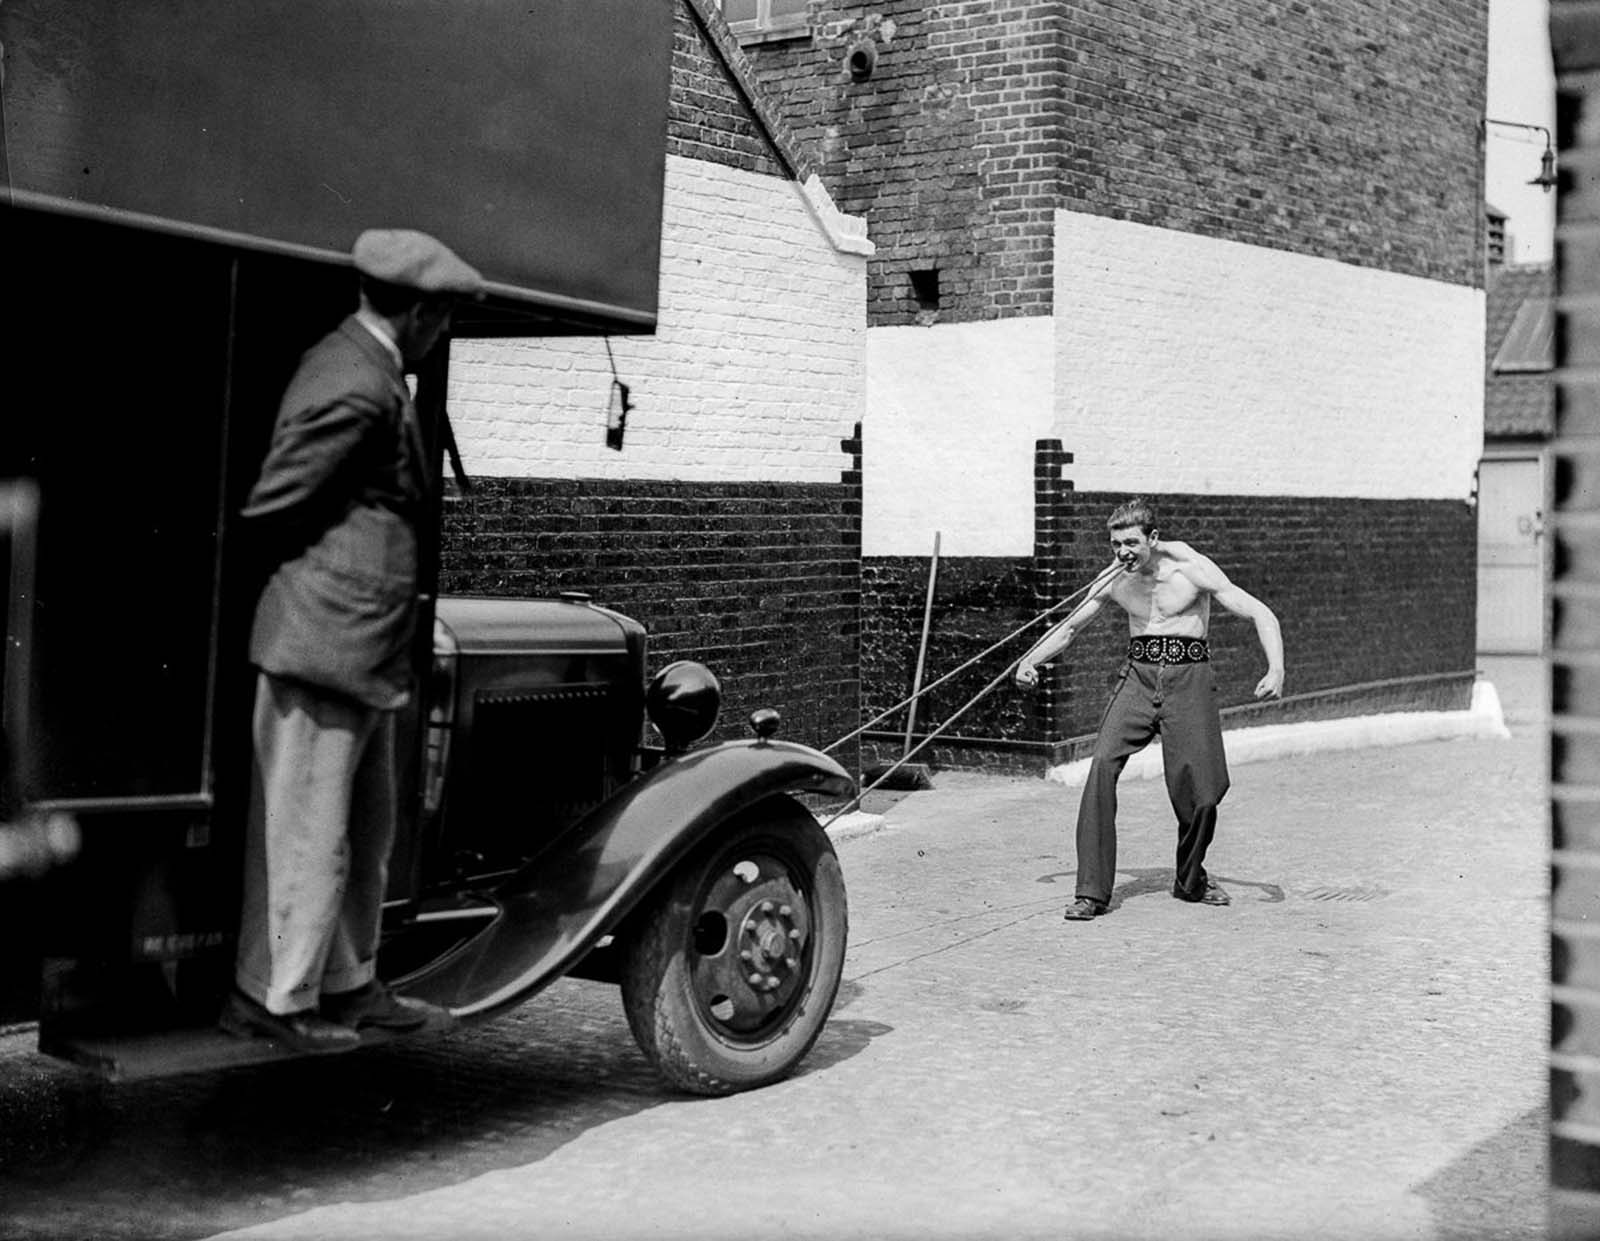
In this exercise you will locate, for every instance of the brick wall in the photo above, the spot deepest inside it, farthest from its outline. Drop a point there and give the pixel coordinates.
(1174, 363)
(949, 148)
(1368, 593)
(978, 600)
(1343, 129)
(730, 523)
(1375, 599)
(709, 113)
(759, 581)
(755, 370)
(1575, 644)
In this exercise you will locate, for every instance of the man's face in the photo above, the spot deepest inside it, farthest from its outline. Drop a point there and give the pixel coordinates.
(1131, 546)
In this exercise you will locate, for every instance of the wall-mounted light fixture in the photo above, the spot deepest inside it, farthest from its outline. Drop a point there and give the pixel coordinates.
(1546, 180)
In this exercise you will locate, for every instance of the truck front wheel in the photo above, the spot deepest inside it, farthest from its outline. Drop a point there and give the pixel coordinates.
(732, 971)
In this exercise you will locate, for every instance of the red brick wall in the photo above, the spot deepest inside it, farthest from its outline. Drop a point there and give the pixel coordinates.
(1376, 600)
(1343, 128)
(759, 581)
(709, 113)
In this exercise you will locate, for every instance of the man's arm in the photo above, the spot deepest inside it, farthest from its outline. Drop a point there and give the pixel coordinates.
(1055, 640)
(1206, 575)
(308, 453)
(301, 487)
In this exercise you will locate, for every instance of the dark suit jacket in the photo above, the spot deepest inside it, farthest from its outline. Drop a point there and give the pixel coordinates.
(338, 499)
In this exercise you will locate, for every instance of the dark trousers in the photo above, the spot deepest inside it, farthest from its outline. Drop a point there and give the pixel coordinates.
(1178, 702)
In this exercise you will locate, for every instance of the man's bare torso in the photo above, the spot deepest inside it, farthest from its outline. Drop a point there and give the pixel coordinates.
(1164, 600)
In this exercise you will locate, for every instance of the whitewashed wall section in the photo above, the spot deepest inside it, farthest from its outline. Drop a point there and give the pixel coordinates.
(1188, 364)
(953, 410)
(1173, 363)
(755, 373)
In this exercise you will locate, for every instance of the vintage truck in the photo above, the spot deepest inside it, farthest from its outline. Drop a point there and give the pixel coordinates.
(183, 182)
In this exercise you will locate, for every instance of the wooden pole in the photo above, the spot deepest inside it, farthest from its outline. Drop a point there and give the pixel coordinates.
(922, 650)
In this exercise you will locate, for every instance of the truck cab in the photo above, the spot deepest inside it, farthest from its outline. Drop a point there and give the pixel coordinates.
(561, 811)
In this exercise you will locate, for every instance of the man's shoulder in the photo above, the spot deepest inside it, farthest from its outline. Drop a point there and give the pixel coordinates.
(1195, 565)
(347, 345)
(341, 363)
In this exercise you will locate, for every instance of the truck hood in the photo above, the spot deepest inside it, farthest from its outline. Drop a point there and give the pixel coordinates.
(483, 626)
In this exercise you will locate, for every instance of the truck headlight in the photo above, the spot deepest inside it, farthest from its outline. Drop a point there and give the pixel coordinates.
(683, 701)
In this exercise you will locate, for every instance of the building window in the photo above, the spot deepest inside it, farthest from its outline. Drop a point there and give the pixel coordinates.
(1494, 234)
(775, 18)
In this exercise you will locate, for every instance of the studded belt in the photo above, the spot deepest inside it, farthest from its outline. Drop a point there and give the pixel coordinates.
(1165, 650)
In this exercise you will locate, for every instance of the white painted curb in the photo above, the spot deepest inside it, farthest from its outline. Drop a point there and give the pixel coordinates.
(857, 823)
(1483, 719)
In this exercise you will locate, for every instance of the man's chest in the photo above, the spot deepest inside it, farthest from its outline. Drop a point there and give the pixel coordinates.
(1166, 594)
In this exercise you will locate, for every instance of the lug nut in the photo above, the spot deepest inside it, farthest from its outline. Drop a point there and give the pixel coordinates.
(784, 911)
(755, 980)
(766, 907)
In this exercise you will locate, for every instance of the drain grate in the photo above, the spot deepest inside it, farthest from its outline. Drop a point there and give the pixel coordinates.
(1344, 894)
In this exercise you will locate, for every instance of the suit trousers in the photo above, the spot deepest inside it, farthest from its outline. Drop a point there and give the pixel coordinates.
(1178, 702)
(320, 828)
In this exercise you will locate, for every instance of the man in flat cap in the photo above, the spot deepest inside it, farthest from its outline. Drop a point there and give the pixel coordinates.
(335, 507)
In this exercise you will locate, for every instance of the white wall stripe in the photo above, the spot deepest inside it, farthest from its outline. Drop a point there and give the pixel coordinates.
(755, 373)
(953, 411)
(1189, 364)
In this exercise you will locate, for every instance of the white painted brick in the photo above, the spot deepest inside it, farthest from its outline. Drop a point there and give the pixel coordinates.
(756, 370)
(953, 411)
(1173, 363)
(1189, 364)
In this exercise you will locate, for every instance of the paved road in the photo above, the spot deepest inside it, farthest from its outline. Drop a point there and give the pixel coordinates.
(1355, 1049)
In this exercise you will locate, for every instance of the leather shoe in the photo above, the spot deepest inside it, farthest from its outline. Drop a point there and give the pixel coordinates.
(376, 1007)
(1212, 895)
(1084, 908)
(305, 1031)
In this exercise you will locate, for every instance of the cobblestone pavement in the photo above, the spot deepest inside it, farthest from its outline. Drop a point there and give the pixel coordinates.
(1354, 1049)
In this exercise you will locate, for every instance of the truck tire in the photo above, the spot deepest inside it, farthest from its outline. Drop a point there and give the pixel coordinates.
(731, 971)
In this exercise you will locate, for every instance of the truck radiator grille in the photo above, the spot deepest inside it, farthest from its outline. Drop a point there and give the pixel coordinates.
(539, 759)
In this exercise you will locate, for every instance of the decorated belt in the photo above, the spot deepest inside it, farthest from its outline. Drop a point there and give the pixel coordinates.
(1166, 650)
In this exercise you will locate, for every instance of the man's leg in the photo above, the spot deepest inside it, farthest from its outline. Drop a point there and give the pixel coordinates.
(352, 993)
(1196, 767)
(353, 950)
(1127, 728)
(297, 854)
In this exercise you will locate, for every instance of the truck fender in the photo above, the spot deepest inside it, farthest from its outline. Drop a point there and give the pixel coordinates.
(558, 905)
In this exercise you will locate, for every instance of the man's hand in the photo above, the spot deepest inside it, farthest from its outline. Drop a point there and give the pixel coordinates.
(1271, 685)
(1027, 675)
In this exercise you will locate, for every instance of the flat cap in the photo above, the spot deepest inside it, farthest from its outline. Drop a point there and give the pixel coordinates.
(414, 260)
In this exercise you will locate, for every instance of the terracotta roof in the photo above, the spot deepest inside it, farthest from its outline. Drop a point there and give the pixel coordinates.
(1518, 341)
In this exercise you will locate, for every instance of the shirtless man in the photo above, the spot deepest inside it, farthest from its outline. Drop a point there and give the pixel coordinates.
(1165, 687)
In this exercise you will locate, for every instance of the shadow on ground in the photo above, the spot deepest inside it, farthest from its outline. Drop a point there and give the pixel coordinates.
(1157, 880)
(186, 1157)
(1468, 1199)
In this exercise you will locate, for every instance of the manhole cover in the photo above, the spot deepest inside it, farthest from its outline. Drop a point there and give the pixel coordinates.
(1344, 894)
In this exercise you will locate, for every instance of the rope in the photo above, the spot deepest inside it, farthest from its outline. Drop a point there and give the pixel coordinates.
(1097, 586)
(1105, 576)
